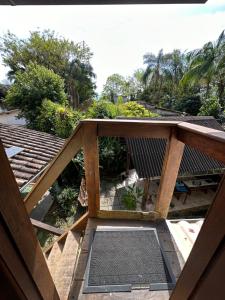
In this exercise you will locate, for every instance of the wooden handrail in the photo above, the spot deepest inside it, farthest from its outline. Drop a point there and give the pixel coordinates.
(55, 168)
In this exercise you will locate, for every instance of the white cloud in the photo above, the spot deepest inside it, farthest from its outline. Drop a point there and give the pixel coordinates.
(120, 35)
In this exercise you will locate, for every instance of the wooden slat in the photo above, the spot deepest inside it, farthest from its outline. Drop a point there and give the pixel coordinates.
(205, 247)
(79, 225)
(127, 215)
(133, 128)
(17, 220)
(171, 164)
(46, 227)
(16, 267)
(207, 140)
(70, 149)
(91, 165)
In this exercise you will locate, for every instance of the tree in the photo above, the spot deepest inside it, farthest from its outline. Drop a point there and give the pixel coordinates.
(207, 67)
(69, 60)
(31, 87)
(189, 103)
(116, 85)
(211, 106)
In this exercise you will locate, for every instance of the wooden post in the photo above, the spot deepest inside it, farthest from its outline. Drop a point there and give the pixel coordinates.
(171, 164)
(20, 229)
(91, 164)
(204, 255)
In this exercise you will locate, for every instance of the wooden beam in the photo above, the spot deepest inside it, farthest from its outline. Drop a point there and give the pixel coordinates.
(171, 165)
(16, 267)
(14, 214)
(207, 140)
(79, 225)
(133, 128)
(127, 215)
(91, 165)
(55, 168)
(46, 227)
(203, 252)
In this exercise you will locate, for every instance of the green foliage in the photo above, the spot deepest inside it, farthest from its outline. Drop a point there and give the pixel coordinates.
(31, 87)
(211, 106)
(69, 60)
(67, 200)
(131, 196)
(133, 109)
(57, 119)
(115, 86)
(102, 109)
(189, 104)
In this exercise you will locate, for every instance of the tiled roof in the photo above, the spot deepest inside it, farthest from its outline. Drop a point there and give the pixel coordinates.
(148, 154)
(39, 149)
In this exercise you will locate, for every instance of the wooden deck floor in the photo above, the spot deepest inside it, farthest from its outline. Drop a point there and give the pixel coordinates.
(168, 245)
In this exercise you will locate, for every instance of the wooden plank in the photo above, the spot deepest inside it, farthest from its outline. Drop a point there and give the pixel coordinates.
(127, 215)
(16, 267)
(46, 227)
(79, 225)
(212, 284)
(205, 247)
(171, 164)
(207, 140)
(66, 266)
(15, 216)
(91, 166)
(133, 128)
(69, 150)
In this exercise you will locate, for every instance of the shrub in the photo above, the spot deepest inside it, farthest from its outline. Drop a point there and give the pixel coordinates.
(31, 87)
(67, 200)
(131, 196)
(133, 109)
(211, 106)
(57, 119)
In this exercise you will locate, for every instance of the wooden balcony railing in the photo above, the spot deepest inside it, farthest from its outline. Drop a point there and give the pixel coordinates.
(85, 136)
(209, 141)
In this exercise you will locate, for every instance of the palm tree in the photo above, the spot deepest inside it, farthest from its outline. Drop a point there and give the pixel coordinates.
(207, 65)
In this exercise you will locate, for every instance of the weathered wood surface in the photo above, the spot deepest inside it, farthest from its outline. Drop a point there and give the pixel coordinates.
(167, 243)
(170, 169)
(63, 275)
(91, 165)
(79, 225)
(127, 215)
(207, 140)
(204, 251)
(18, 223)
(46, 227)
(132, 128)
(15, 266)
(70, 149)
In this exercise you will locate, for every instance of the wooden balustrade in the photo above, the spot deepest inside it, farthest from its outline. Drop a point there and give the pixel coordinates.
(15, 217)
(207, 140)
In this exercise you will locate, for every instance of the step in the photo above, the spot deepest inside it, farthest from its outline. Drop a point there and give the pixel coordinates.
(54, 258)
(63, 274)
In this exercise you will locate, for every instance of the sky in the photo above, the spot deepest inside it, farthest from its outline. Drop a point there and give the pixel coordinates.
(120, 35)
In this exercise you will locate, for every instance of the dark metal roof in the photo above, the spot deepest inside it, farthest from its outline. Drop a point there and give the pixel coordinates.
(93, 2)
(39, 148)
(148, 154)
